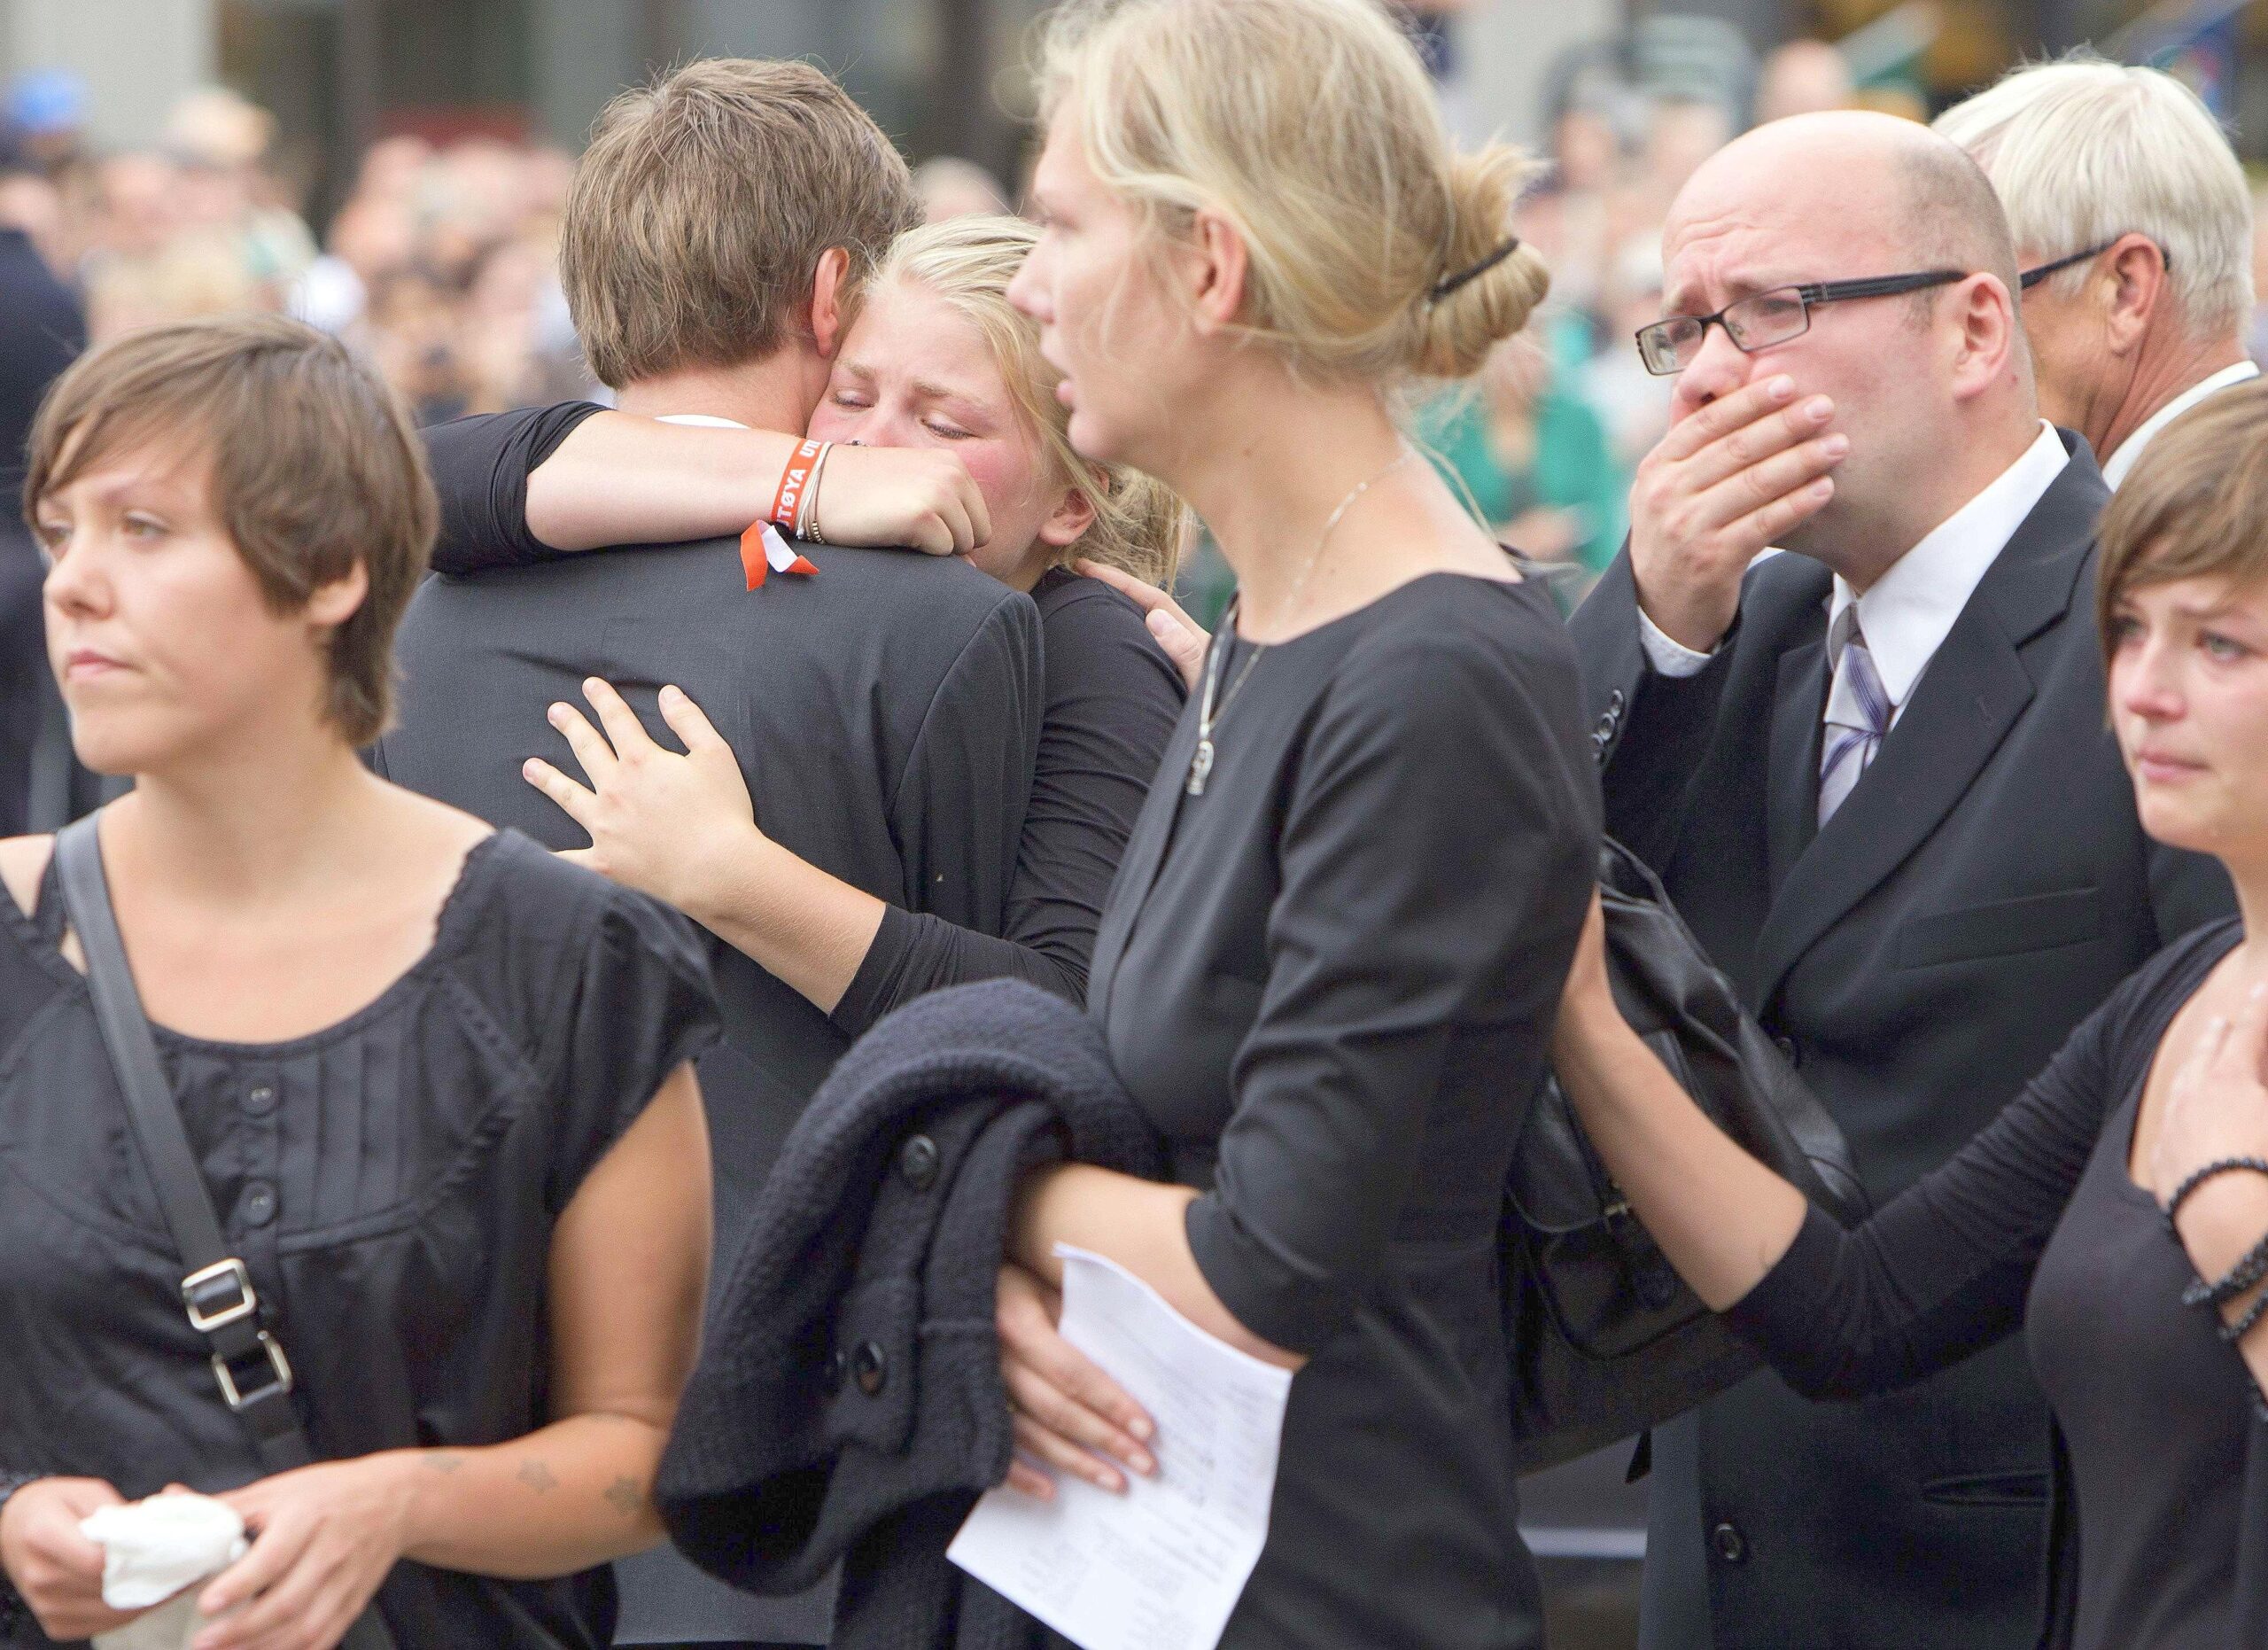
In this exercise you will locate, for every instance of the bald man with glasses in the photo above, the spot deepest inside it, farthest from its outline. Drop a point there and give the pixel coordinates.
(1875, 775)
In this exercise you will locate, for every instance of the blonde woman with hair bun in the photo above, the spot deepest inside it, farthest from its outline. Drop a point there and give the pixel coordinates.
(1330, 967)
(936, 362)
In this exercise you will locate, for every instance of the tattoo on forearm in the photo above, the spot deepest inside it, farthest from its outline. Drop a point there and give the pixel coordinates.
(443, 1461)
(538, 1477)
(626, 1497)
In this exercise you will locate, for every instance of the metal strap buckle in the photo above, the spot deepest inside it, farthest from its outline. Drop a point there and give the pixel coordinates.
(279, 1366)
(220, 1272)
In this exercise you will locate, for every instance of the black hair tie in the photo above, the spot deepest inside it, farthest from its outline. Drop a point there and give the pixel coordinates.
(1448, 284)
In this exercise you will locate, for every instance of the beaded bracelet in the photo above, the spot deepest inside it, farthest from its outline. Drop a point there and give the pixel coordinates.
(2197, 1177)
(2234, 1332)
(2241, 1276)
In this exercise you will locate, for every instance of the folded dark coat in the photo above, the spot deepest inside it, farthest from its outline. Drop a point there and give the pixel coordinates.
(848, 1404)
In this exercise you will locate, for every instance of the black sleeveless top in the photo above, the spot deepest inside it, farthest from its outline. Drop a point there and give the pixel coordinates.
(392, 1182)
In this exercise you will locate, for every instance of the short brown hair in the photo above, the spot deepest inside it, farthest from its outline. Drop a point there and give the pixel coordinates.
(315, 467)
(703, 205)
(2193, 507)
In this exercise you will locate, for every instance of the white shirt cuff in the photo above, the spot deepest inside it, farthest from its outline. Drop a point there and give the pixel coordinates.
(1667, 656)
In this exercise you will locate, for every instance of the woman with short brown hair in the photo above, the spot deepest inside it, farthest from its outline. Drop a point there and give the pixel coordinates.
(2117, 1211)
(436, 1083)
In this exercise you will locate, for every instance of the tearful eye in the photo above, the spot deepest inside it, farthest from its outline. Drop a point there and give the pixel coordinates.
(2225, 650)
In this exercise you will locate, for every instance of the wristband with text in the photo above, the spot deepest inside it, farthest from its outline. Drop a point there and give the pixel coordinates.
(787, 500)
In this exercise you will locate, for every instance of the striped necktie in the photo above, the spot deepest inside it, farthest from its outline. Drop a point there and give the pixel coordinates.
(1858, 715)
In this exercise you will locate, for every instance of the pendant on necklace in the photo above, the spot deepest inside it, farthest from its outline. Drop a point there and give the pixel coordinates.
(1199, 766)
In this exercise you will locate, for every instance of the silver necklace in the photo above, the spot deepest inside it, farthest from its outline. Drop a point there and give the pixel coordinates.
(1209, 713)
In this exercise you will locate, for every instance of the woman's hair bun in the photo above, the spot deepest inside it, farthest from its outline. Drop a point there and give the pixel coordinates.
(1311, 126)
(1460, 321)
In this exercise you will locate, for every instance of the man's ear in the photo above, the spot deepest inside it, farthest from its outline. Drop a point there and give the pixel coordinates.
(1217, 265)
(332, 604)
(1073, 515)
(830, 300)
(1991, 343)
(2138, 274)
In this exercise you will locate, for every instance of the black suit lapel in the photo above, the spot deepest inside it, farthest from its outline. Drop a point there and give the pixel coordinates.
(1792, 781)
(1972, 692)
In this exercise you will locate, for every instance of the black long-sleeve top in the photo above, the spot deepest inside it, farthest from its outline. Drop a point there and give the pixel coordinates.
(1329, 979)
(1112, 700)
(2162, 1532)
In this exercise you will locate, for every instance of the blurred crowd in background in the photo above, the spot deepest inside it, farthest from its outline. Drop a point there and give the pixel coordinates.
(438, 263)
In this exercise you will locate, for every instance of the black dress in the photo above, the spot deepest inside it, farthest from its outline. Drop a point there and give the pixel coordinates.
(2038, 1224)
(1112, 697)
(1330, 981)
(392, 1182)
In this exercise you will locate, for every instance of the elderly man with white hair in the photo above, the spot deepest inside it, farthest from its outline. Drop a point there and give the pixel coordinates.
(2134, 226)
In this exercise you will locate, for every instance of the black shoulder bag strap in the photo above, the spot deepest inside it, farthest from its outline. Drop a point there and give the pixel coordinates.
(248, 1362)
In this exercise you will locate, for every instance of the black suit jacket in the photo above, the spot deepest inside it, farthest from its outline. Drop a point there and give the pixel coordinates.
(886, 713)
(1983, 889)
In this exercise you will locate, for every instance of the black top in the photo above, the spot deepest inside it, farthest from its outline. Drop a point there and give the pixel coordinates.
(392, 1182)
(1112, 697)
(2039, 1223)
(1330, 981)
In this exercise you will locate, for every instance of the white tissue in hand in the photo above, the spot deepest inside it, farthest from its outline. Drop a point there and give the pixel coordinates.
(152, 1549)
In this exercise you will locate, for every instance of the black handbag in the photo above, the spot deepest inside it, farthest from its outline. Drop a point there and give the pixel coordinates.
(249, 1365)
(1606, 1340)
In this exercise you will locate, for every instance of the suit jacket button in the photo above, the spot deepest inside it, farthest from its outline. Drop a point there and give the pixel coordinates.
(870, 1368)
(916, 1162)
(1789, 1052)
(1615, 702)
(1730, 1545)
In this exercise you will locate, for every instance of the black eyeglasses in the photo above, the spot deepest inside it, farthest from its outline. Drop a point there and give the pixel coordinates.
(2037, 273)
(1768, 318)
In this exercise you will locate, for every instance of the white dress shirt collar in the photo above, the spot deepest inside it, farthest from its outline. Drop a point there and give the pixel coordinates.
(2119, 463)
(1907, 613)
